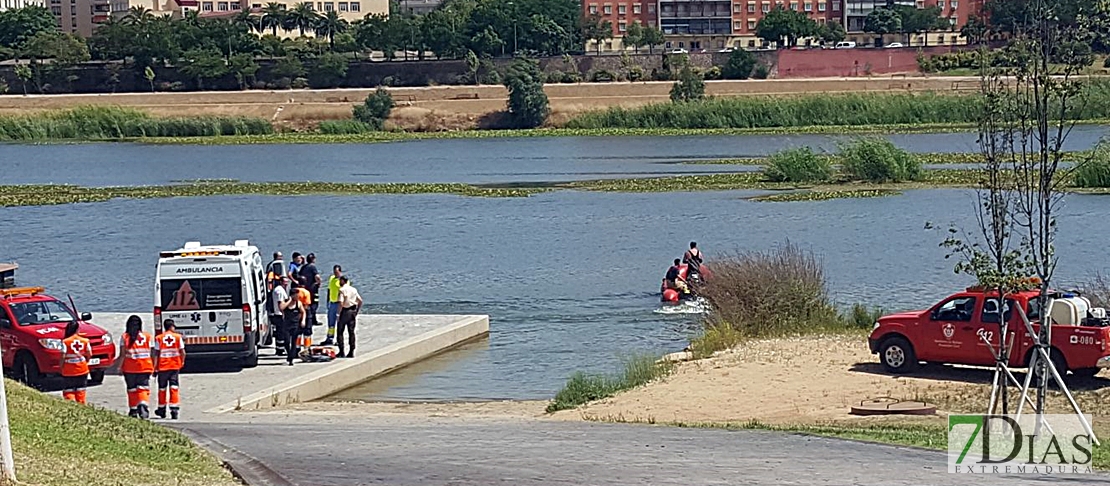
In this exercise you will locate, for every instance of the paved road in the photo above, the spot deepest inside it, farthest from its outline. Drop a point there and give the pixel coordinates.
(355, 451)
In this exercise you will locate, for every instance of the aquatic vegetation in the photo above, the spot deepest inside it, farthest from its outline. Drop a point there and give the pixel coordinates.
(114, 123)
(41, 195)
(798, 165)
(799, 196)
(819, 109)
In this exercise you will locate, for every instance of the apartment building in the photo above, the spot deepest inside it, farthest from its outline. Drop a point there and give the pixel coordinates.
(80, 16)
(349, 10)
(716, 24)
(622, 14)
(13, 4)
(157, 8)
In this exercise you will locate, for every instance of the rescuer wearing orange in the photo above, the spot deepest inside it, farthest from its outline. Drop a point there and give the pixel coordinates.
(136, 367)
(76, 352)
(169, 358)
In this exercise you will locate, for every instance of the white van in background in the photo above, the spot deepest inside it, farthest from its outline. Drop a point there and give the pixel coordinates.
(216, 295)
(845, 45)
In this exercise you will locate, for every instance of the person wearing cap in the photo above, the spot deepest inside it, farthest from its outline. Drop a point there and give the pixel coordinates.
(279, 298)
(333, 303)
(350, 302)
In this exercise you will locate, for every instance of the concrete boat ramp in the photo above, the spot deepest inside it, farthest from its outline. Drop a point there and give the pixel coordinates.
(385, 343)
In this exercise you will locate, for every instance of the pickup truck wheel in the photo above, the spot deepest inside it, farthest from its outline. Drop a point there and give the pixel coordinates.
(1058, 362)
(897, 355)
(96, 378)
(27, 371)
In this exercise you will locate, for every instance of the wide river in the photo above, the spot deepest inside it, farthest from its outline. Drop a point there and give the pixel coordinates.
(569, 279)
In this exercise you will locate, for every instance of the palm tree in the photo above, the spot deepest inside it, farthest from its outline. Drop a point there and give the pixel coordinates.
(302, 18)
(329, 25)
(273, 16)
(247, 20)
(137, 15)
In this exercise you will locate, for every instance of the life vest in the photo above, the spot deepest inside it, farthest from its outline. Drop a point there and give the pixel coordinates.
(171, 351)
(76, 352)
(136, 355)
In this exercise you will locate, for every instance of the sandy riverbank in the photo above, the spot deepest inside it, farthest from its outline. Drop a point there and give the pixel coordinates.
(455, 107)
(788, 381)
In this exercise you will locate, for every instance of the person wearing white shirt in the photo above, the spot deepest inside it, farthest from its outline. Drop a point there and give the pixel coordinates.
(349, 304)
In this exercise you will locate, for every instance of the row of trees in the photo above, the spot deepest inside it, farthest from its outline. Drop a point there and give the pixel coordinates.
(785, 27)
(906, 20)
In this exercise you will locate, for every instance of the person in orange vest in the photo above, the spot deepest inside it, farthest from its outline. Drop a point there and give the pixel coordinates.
(136, 367)
(76, 352)
(303, 295)
(169, 358)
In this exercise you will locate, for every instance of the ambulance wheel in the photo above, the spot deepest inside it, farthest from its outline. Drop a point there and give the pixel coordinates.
(897, 355)
(251, 360)
(96, 378)
(27, 371)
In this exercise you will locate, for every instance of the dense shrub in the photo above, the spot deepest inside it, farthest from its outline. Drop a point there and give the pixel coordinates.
(527, 106)
(769, 293)
(1095, 171)
(798, 165)
(603, 76)
(739, 66)
(877, 160)
(95, 122)
(1106, 63)
(762, 71)
(713, 73)
(689, 87)
(374, 111)
(860, 316)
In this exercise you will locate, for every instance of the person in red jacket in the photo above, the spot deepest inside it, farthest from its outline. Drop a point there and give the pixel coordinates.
(137, 366)
(169, 358)
(76, 352)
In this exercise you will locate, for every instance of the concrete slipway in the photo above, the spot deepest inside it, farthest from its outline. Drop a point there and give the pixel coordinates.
(385, 343)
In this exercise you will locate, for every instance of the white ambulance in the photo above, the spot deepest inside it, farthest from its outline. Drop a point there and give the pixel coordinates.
(216, 295)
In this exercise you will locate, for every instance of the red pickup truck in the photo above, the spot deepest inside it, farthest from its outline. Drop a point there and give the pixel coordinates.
(953, 331)
(32, 325)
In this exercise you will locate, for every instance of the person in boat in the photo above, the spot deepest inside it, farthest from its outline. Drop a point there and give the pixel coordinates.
(674, 278)
(692, 259)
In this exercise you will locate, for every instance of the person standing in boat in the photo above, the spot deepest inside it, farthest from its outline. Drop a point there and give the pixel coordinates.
(692, 259)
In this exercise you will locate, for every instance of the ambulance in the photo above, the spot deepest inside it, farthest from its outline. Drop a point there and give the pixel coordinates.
(216, 295)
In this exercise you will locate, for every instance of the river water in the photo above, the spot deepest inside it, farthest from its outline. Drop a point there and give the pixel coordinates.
(569, 279)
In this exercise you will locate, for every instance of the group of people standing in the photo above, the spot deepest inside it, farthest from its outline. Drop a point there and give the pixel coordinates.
(162, 356)
(295, 299)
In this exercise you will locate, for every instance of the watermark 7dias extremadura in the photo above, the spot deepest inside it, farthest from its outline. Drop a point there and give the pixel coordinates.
(1040, 445)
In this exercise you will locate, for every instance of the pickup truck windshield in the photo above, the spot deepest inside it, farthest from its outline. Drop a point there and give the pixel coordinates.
(44, 312)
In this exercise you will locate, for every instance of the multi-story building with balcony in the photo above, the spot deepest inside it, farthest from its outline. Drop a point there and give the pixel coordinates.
(13, 4)
(715, 24)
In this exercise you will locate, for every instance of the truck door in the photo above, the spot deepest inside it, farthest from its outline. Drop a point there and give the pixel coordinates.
(952, 331)
(988, 328)
(7, 338)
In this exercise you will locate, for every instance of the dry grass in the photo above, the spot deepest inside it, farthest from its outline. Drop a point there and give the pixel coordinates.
(441, 107)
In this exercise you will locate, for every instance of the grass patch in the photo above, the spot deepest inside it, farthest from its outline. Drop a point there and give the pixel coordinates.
(849, 109)
(583, 388)
(115, 123)
(1094, 172)
(877, 160)
(344, 127)
(60, 443)
(800, 196)
(928, 158)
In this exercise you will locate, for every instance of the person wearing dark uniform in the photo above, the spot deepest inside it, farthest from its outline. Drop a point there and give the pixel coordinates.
(294, 312)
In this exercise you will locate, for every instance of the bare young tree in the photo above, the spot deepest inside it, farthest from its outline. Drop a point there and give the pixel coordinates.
(1032, 96)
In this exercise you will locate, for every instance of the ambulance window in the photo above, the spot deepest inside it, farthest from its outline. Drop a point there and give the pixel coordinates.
(202, 293)
(958, 309)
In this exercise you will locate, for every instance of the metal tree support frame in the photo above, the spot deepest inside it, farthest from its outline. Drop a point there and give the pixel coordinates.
(1003, 376)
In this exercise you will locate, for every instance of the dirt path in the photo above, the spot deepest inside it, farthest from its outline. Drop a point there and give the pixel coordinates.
(455, 107)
